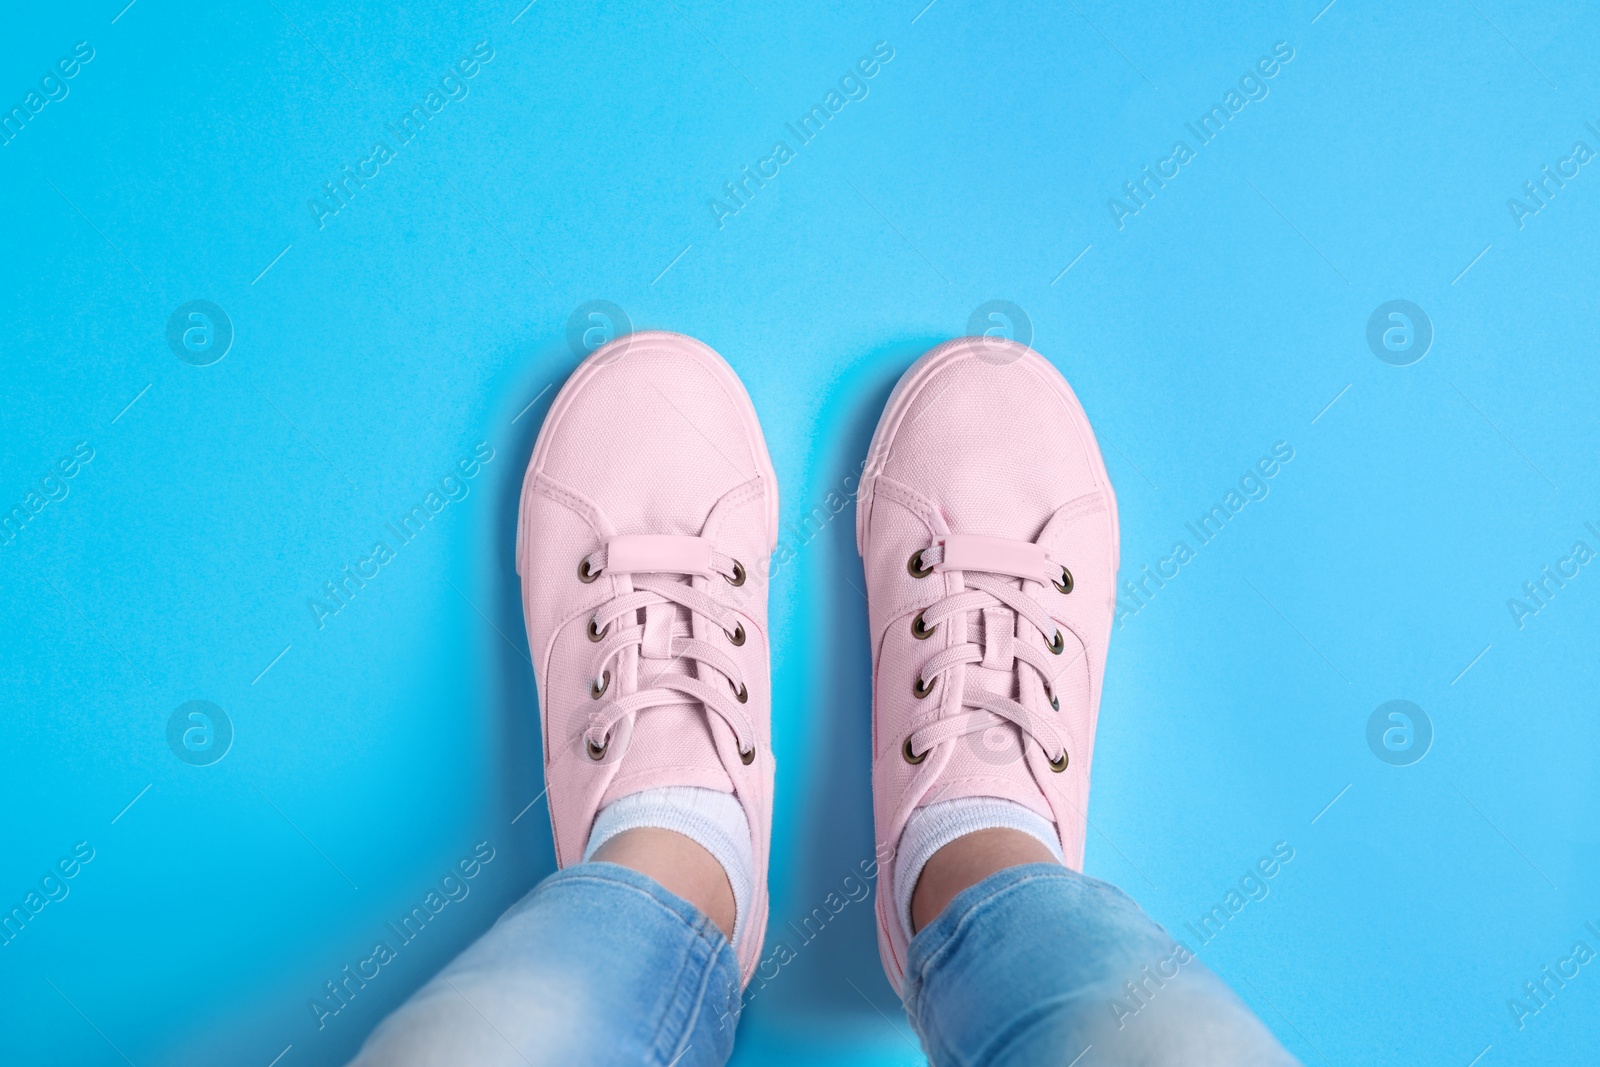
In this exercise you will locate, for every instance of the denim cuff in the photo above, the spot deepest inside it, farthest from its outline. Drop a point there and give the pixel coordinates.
(931, 944)
(1038, 963)
(705, 989)
(597, 965)
(615, 874)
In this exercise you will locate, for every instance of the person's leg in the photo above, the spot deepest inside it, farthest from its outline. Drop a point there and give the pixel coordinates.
(648, 513)
(1034, 963)
(599, 964)
(988, 531)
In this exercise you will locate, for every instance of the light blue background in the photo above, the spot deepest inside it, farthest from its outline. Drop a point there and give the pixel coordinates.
(432, 310)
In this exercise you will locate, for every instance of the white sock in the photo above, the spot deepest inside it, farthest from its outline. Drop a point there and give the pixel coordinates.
(715, 821)
(931, 828)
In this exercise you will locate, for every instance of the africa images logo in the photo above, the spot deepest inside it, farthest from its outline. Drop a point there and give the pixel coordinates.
(337, 194)
(199, 733)
(1139, 192)
(53, 88)
(852, 86)
(1399, 733)
(1399, 332)
(452, 888)
(199, 333)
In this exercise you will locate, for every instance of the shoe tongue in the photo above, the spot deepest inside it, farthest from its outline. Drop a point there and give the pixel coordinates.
(997, 673)
(672, 743)
(1001, 683)
(989, 763)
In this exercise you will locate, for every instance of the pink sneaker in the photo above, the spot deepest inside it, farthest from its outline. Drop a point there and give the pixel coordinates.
(648, 514)
(988, 531)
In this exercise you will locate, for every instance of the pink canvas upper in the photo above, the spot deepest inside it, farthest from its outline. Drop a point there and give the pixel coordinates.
(648, 514)
(988, 532)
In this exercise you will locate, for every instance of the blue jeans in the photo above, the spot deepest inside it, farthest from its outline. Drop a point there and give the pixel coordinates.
(1034, 965)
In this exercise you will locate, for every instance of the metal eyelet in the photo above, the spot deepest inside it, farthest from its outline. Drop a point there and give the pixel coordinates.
(738, 574)
(741, 694)
(737, 637)
(585, 575)
(749, 757)
(1059, 767)
(911, 757)
(597, 752)
(598, 633)
(1065, 585)
(1055, 703)
(919, 631)
(599, 687)
(914, 565)
(1060, 643)
(921, 690)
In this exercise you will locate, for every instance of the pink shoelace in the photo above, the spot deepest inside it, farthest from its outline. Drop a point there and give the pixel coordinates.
(1018, 635)
(648, 564)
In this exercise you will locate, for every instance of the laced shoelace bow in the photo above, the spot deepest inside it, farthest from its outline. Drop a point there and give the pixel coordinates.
(989, 568)
(646, 562)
